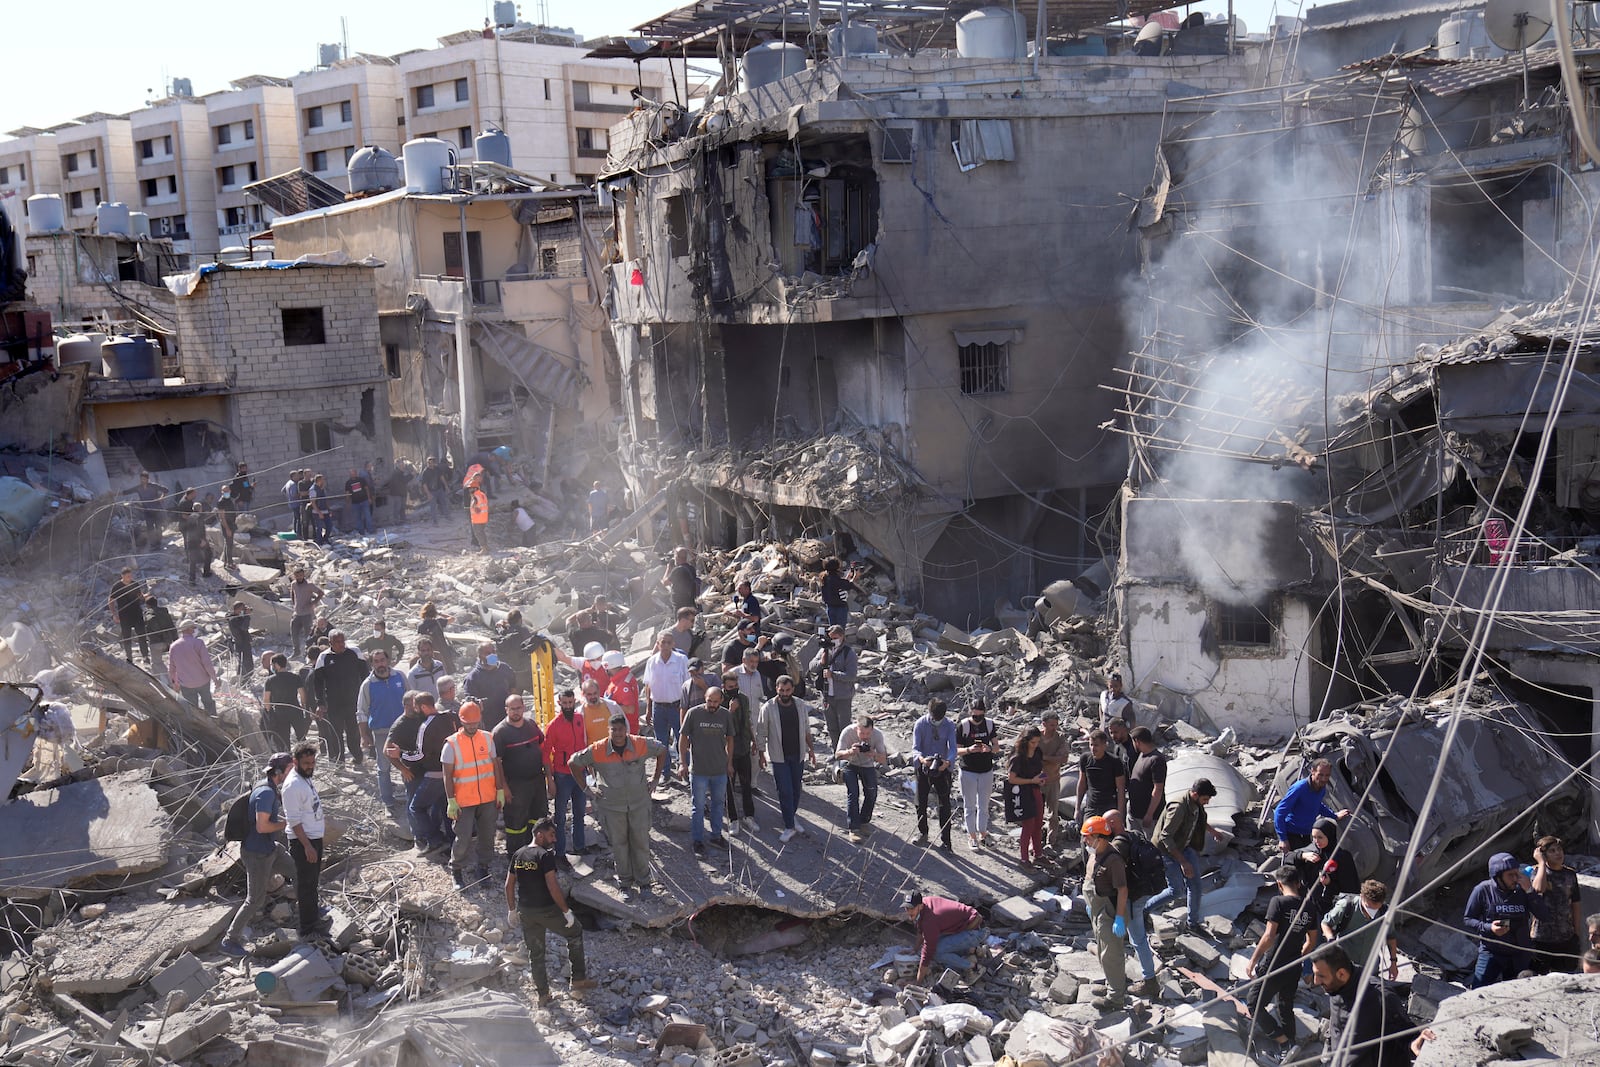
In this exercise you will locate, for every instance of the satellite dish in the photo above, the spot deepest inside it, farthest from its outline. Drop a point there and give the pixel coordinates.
(1512, 26)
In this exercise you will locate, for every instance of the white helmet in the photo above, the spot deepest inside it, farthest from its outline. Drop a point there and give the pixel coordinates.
(613, 660)
(593, 650)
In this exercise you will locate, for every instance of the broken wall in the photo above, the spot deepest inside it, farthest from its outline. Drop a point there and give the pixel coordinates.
(39, 411)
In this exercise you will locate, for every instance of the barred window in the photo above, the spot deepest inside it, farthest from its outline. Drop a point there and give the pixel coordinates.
(1245, 624)
(985, 368)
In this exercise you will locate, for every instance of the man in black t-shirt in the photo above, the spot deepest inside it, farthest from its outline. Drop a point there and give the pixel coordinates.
(1291, 933)
(282, 704)
(1102, 779)
(534, 899)
(1147, 780)
(681, 579)
(126, 601)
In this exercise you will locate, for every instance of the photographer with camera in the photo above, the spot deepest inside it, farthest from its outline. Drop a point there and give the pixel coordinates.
(862, 750)
(933, 746)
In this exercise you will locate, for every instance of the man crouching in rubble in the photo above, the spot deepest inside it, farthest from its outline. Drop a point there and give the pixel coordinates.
(946, 930)
(535, 900)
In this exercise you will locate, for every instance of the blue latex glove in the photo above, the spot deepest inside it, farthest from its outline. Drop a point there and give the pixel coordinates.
(1119, 927)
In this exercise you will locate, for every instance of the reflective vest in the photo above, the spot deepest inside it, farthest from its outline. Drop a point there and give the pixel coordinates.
(472, 770)
(624, 689)
(480, 507)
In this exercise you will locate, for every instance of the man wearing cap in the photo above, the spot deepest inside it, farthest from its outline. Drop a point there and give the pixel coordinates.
(975, 743)
(1181, 832)
(535, 901)
(475, 790)
(564, 736)
(519, 743)
(834, 667)
(1055, 750)
(1105, 882)
(694, 686)
(664, 674)
(592, 664)
(623, 796)
(933, 750)
(946, 930)
(706, 758)
(379, 704)
(621, 688)
(126, 601)
(303, 600)
(488, 683)
(190, 669)
(259, 849)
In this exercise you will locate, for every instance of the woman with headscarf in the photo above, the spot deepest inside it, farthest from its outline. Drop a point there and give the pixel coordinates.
(1327, 870)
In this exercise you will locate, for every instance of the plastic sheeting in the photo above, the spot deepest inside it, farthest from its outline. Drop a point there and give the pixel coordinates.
(1418, 476)
(1496, 395)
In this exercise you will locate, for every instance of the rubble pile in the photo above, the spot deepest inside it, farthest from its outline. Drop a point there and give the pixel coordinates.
(861, 470)
(768, 957)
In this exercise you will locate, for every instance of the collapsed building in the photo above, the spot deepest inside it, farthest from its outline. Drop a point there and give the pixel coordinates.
(876, 292)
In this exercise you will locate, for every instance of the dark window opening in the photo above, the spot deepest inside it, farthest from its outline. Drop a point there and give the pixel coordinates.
(1477, 242)
(824, 205)
(303, 326)
(985, 368)
(169, 447)
(369, 412)
(1249, 625)
(452, 254)
(547, 261)
(424, 96)
(677, 226)
(315, 436)
(391, 360)
(898, 142)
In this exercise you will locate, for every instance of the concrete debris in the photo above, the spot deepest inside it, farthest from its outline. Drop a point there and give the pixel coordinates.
(128, 944)
(104, 827)
(1548, 1018)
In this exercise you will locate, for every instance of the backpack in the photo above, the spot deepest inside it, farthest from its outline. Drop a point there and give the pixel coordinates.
(1147, 869)
(239, 822)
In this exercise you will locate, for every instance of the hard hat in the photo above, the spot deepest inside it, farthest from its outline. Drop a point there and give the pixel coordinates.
(613, 659)
(1095, 825)
(470, 712)
(593, 650)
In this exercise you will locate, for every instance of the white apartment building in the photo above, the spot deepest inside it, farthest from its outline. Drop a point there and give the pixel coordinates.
(254, 135)
(340, 108)
(29, 163)
(97, 166)
(172, 168)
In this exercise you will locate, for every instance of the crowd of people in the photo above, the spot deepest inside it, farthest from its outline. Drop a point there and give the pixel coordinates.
(479, 774)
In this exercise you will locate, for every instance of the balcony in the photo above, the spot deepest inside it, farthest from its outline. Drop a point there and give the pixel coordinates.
(1545, 608)
(444, 292)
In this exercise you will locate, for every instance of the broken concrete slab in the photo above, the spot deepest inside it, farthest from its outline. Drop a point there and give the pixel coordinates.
(1019, 912)
(1038, 1037)
(477, 1026)
(54, 838)
(1549, 1018)
(186, 975)
(179, 718)
(120, 950)
(184, 1033)
(1452, 947)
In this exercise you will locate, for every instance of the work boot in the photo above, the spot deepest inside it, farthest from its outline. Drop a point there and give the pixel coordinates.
(546, 998)
(460, 877)
(922, 839)
(483, 874)
(700, 850)
(1150, 988)
(1107, 1003)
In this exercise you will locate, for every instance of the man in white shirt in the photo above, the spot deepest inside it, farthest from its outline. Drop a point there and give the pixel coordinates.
(1114, 703)
(662, 692)
(302, 808)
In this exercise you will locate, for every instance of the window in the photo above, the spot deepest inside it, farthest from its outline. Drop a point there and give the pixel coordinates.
(233, 216)
(677, 226)
(147, 149)
(1249, 625)
(985, 368)
(302, 326)
(461, 89)
(5, 175)
(897, 143)
(72, 163)
(250, 171)
(424, 96)
(152, 188)
(225, 176)
(318, 161)
(92, 161)
(452, 254)
(249, 129)
(224, 134)
(547, 88)
(345, 111)
(349, 150)
(464, 137)
(547, 261)
(75, 200)
(391, 360)
(315, 436)
(166, 446)
(580, 92)
(313, 117)
(180, 226)
(592, 143)
(166, 145)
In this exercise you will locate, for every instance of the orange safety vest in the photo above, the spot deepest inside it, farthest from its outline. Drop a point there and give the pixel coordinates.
(480, 507)
(472, 771)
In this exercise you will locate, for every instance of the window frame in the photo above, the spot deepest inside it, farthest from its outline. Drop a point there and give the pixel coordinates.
(303, 327)
(984, 368)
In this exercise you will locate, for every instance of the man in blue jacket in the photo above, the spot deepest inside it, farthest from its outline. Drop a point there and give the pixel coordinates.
(379, 704)
(1296, 814)
(1498, 911)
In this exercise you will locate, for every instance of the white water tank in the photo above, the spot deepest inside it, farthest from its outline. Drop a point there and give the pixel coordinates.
(130, 358)
(992, 33)
(373, 170)
(46, 213)
(138, 224)
(427, 160)
(492, 146)
(852, 39)
(111, 218)
(1463, 35)
(79, 348)
(234, 254)
(770, 62)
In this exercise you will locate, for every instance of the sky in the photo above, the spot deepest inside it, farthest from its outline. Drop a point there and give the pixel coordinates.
(114, 56)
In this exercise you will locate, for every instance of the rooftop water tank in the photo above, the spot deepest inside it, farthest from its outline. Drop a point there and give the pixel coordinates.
(138, 224)
(852, 39)
(492, 146)
(427, 160)
(79, 348)
(261, 252)
(1461, 33)
(130, 358)
(770, 62)
(234, 254)
(992, 33)
(373, 170)
(111, 218)
(46, 213)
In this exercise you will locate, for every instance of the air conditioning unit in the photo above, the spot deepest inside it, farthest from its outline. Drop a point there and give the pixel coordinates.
(161, 226)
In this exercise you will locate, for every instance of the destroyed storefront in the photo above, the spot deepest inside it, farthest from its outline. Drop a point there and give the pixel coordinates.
(851, 251)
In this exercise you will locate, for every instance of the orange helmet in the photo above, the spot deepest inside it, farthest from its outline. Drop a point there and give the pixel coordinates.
(470, 712)
(1093, 825)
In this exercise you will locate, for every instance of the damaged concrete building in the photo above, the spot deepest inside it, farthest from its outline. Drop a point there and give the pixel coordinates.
(490, 328)
(1361, 413)
(877, 291)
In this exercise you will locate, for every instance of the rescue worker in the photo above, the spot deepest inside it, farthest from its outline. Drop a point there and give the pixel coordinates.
(596, 712)
(478, 511)
(623, 799)
(534, 901)
(476, 789)
(518, 742)
(621, 687)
